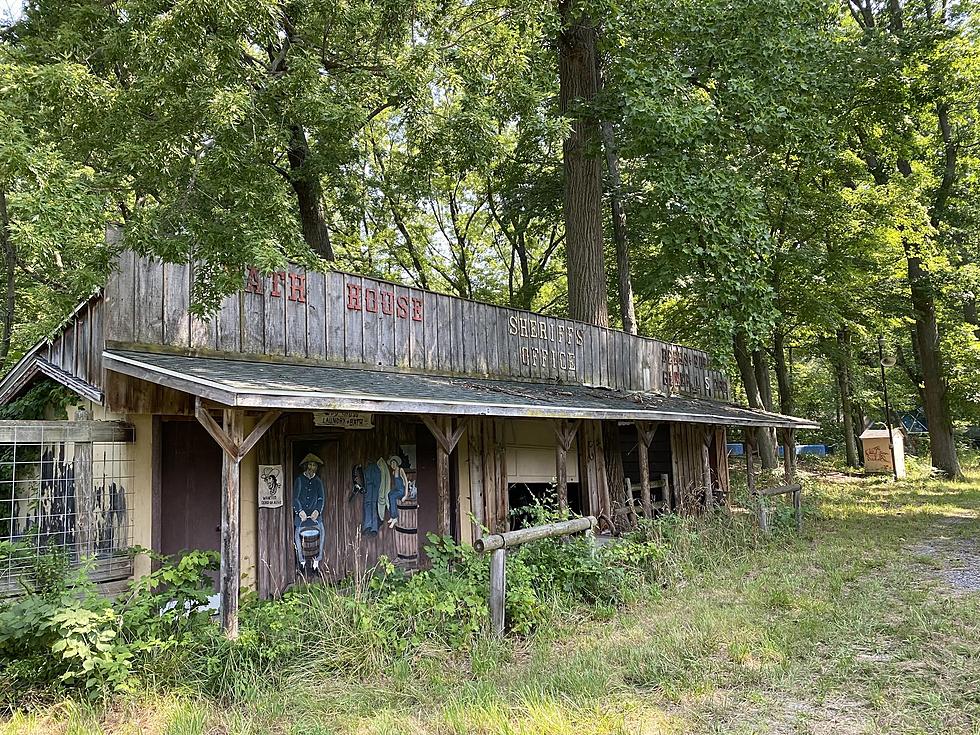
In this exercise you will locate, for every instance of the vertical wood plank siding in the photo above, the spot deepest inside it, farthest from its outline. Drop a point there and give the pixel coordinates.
(339, 317)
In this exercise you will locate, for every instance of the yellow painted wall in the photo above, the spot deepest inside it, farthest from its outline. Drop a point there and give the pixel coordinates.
(140, 456)
(465, 495)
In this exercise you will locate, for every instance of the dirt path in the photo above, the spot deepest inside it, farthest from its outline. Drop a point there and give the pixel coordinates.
(951, 557)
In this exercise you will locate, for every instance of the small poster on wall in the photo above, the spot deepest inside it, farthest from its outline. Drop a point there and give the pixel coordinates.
(270, 485)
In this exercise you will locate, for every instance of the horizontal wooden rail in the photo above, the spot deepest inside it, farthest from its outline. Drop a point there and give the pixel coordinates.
(523, 535)
(498, 543)
(781, 490)
(43, 432)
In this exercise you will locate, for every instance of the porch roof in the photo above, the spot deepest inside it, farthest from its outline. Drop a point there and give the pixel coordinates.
(250, 384)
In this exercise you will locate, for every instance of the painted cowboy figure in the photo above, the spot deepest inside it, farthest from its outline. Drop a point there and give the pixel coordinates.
(308, 499)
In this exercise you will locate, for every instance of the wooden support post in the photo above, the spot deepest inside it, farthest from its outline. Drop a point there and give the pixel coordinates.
(230, 574)
(84, 501)
(498, 589)
(789, 473)
(668, 492)
(229, 437)
(446, 438)
(709, 498)
(565, 430)
(750, 480)
(645, 433)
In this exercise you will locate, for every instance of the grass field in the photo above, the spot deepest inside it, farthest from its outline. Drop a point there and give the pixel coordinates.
(869, 622)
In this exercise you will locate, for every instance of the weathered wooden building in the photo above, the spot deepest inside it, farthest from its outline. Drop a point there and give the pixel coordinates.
(422, 412)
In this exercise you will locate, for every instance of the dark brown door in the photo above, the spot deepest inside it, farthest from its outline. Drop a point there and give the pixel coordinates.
(190, 500)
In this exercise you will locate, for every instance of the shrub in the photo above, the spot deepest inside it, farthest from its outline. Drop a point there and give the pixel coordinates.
(62, 634)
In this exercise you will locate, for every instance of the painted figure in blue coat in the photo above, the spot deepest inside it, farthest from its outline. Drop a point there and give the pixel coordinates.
(308, 500)
(377, 482)
(399, 488)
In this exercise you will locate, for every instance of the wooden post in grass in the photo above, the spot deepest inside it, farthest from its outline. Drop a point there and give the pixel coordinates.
(234, 445)
(447, 437)
(498, 543)
(789, 473)
(645, 432)
(498, 589)
(565, 430)
(760, 503)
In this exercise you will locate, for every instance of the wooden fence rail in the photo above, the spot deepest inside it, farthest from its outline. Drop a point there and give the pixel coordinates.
(498, 544)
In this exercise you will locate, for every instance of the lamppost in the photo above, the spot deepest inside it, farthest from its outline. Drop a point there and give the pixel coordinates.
(884, 362)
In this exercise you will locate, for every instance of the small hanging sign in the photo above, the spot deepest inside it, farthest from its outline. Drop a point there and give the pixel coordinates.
(270, 485)
(344, 419)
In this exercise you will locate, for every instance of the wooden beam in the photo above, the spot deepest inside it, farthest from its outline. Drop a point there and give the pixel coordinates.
(769, 492)
(262, 426)
(750, 481)
(565, 430)
(84, 500)
(38, 432)
(227, 444)
(230, 573)
(447, 437)
(498, 589)
(156, 488)
(709, 498)
(645, 432)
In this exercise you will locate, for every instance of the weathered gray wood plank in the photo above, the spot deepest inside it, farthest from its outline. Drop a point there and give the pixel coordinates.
(295, 303)
(316, 326)
(335, 314)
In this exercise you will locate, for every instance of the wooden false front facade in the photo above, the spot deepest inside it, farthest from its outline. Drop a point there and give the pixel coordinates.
(321, 421)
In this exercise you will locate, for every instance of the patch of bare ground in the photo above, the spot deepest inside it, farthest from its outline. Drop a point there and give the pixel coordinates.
(950, 557)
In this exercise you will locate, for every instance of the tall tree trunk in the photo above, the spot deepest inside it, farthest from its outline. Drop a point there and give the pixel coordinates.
(942, 445)
(760, 364)
(615, 473)
(970, 315)
(626, 306)
(784, 379)
(578, 85)
(309, 195)
(840, 356)
(763, 438)
(10, 272)
(761, 367)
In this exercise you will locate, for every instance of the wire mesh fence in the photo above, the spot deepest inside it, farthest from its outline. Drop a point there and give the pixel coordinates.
(69, 497)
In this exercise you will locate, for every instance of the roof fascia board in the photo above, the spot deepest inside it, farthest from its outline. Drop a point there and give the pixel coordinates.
(325, 400)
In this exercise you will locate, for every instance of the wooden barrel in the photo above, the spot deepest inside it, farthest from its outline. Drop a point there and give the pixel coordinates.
(407, 533)
(310, 540)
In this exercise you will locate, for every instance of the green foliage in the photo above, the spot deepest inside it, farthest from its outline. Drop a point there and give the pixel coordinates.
(62, 635)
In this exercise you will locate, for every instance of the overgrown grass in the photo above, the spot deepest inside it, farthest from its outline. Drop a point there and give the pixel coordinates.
(847, 628)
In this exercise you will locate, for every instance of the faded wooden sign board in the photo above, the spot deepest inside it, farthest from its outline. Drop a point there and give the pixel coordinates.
(341, 318)
(344, 419)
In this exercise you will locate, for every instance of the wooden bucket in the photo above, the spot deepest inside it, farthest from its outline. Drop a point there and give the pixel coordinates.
(407, 534)
(310, 541)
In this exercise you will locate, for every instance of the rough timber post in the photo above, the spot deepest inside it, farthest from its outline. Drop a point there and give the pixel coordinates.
(789, 472)
(234, 447)
(750, 480)
(446, 438)
(709, 499)
(498, 589)
(565, 434)
(645, 433)
(230, 575)
(84, 500)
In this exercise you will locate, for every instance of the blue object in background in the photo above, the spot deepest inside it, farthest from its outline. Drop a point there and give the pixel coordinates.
(819, 450)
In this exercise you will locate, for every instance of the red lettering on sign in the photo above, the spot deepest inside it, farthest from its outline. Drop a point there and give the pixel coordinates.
(370, 300)
(253, 283)
(387, 303)
(278, 278)
(353, 297)
(297, 287)
(402, 311)
(416, 310)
